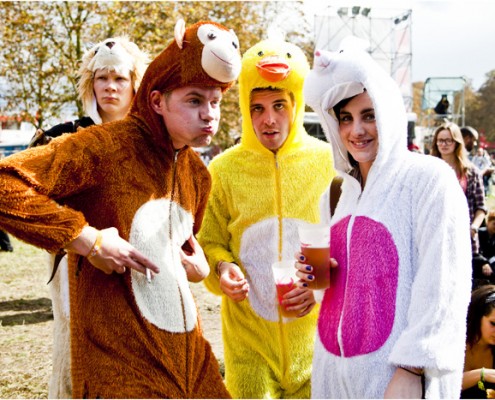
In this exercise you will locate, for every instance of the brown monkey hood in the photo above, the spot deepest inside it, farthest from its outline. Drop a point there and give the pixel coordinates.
(206, 54)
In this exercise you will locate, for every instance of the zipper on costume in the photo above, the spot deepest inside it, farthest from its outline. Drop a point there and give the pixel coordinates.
(284, 340)
(174, 173)
(278, 188)
(348, 250)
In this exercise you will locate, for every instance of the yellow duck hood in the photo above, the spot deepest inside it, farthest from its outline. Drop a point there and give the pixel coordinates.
(276, 64)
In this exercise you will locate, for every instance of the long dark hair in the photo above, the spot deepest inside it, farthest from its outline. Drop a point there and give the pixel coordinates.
(482, 304)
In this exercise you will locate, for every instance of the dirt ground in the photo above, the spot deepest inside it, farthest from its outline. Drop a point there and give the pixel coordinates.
(209, 309)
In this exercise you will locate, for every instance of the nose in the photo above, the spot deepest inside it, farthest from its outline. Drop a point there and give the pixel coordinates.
(269, 119)
(111, 85)
(208, 112)
(357, 128)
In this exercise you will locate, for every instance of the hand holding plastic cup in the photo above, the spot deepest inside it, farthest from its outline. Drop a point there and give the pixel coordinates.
(285, 280)
(315, 246)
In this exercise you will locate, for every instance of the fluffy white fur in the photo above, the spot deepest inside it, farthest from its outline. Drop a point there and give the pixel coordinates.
(149, 234)
(262, 295)
(60, 386)
(418, 201)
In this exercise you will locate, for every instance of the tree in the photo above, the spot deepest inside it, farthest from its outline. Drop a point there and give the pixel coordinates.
(39, 60)
(479, 108)
(42, 43)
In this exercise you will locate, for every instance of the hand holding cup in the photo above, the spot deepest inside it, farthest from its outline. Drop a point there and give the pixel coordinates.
(315, 247)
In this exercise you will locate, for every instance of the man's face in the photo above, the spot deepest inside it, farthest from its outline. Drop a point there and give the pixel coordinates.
(190, 113)
(114, 93)
(272, 114)
(469, 142)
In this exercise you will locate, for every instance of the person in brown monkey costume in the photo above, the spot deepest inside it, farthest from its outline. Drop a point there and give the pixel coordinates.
(125, 200)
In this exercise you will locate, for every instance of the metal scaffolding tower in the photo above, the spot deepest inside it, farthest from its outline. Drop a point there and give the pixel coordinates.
(387, 31)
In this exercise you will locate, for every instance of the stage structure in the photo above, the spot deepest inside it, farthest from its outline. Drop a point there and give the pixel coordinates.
(387, 31)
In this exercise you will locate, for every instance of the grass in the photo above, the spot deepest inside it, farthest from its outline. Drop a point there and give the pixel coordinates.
(25, 323)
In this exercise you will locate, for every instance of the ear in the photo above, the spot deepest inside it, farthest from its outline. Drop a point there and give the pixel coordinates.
(179, 32)
(156, 99)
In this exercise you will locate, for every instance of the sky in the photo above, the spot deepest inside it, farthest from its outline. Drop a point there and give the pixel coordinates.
(450, 38)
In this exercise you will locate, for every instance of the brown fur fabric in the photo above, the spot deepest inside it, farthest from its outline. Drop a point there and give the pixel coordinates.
(129, 338)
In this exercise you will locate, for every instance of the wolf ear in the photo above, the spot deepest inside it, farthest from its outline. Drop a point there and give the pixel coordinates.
(179, 32)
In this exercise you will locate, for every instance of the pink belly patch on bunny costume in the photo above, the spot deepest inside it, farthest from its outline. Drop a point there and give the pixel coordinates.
(363, 288)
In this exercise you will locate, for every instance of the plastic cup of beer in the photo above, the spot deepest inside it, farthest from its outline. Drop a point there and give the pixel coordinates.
(285, 277)
(315, 246)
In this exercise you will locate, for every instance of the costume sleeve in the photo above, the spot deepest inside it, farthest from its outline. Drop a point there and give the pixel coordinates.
(436, 315)
(214, 235)
(34, 185)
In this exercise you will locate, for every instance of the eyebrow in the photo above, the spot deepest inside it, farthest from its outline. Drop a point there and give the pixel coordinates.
(274, 102)
(202, 96)
(366, 110)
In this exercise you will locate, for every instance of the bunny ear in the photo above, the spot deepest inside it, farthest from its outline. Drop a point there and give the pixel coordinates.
(179, 32)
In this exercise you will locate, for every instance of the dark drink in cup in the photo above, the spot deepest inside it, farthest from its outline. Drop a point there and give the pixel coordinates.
(319, 259)
(315, 246)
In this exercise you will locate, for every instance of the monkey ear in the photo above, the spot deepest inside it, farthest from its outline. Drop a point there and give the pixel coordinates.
(179, 32)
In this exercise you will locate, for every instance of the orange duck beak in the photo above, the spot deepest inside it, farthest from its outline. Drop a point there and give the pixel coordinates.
(273, 68)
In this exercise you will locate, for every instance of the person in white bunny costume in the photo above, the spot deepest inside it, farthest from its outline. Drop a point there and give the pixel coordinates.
(393, 320)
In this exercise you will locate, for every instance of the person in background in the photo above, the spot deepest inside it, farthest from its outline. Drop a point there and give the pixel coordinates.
(442, 107)
(109, 77)
(470, 138)
(5, 244)
(392, 320)
(484, 270)
(251, 221)
(125, 199)
(448, 145)
(478, 379)
(483, 162)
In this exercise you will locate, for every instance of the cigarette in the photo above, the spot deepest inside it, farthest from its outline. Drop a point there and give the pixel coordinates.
(148, 275)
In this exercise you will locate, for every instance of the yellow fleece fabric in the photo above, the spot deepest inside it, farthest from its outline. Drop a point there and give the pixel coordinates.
(258, 199)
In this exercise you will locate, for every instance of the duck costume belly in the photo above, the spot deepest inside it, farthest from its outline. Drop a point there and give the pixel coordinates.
(257, 201)
(129, 338)
(400, 293)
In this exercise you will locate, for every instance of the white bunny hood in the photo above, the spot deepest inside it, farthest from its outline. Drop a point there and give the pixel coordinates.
(343, 74)
(410, 215)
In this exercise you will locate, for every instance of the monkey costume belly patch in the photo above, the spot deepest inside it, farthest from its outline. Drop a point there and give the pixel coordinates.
(168, 295)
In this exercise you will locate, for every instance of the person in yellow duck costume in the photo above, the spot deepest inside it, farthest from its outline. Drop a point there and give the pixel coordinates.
(259, 197)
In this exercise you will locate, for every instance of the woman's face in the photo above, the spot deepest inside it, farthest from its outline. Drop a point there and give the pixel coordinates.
(358, 130)
(114, 93)
(488, 329)
(445, 143)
